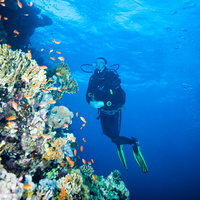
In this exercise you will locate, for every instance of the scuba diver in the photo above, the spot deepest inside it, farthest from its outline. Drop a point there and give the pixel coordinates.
(105, 94)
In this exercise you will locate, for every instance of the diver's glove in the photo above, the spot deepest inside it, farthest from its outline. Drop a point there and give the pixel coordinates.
(96, 104)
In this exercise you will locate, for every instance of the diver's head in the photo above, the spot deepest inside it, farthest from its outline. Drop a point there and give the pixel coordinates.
(100, 65)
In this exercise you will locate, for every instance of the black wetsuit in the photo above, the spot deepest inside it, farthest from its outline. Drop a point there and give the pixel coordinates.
(106, 87)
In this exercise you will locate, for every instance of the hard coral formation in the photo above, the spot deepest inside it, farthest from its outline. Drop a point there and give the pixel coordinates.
(31, 142)
(59, 116)
(87, 170)
(10, 188)
(64, 79)
(16, 67)
(74, 184)
(53, 151)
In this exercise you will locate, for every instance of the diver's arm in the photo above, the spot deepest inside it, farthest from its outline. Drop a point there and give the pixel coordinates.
(90, 90)
(96, 104)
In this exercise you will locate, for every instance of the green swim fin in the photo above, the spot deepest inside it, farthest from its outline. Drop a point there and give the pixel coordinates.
(121, 155)
(139, 158)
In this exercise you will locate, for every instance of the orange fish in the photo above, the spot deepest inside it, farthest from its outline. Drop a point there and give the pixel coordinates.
(3, 4)
(8, 45)
(46, 119)
(43, 67)
(45, 91)
(84, 140)
(58, 52)
(68, 158)
(14, 105)
(83, 125)
(65, 88)
(26, 78)
(71, 163)
(28, 186)
(43, 82)
(83, 119)
(16, 32)
(29, 54)
(75, 152)
(53, 88)
(83, 160)
(62, 192)
(60, 152)
(14, 90)
(57, 42)
(81, 148)
(42, 49)
(10, 125)
(52, 101)
(89, 163)
(45, 136)
(50, 51)
(73, 139)
(19, 4)
(36, 86)
(66, 179)
(42, 105)
(0, 17)
(92, 160)
(1, 1)
(52, 58)
(11, 118)
(59, 90)
(30, 4)
(62, 164)
(61, 58)
(66, 125)
(58, 73)
(5, 18)
(27, 96)
(94, 178)
(77, 114)
(35, 70)
(34, 136)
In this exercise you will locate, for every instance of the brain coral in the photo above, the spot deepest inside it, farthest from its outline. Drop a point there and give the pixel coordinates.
(59, 116)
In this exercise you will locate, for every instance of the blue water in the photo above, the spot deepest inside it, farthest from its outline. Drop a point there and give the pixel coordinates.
(157, 46)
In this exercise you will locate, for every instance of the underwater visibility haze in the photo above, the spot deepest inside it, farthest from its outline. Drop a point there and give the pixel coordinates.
(43, 89)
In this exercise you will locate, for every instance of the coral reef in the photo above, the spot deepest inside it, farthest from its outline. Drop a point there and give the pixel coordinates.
(61, 76)
(73, 185)
(19, 72)
(10, 187)
(53, 151)
(87, 170)
(33, 147)
(59, 116)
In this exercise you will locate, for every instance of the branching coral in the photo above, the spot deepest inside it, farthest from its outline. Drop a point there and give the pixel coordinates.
(74, 184)
(54, 150)
(16, 66)
(65, 81)
(86, 170)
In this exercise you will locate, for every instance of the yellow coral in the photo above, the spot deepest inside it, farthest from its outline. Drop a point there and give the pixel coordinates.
(15, 65)
(74, 184)
(54, 150)
(71, 85)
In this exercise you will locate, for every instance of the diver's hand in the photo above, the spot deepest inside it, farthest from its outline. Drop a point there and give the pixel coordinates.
(97, 104)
